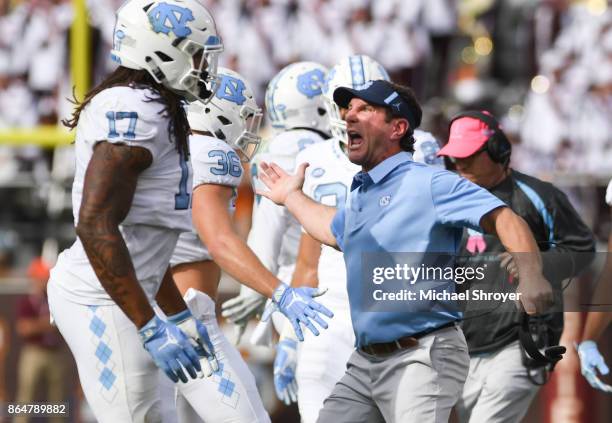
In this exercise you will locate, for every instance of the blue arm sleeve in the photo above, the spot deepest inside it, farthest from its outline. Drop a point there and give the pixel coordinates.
(459, 202)
(337, 226)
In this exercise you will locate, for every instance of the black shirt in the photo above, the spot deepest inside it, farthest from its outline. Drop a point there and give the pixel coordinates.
(567, 247)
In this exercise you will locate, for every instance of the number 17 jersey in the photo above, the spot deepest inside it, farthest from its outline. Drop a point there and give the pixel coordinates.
(160, 208)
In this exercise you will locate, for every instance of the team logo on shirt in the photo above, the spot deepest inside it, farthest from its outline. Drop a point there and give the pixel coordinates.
(384, 200)
(318, 172)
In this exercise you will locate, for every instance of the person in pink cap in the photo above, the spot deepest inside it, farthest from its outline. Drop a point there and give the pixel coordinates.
(468, 139)
(505, 372)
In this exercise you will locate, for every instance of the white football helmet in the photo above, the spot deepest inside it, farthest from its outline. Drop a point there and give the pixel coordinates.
(425, 148)
(176, 41)
(351, 72)
(232, 115)
(294, 100)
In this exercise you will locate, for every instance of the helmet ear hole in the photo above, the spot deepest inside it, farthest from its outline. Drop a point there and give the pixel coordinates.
(224, 120)
(321, 111)
(163, 56)
(219, 134)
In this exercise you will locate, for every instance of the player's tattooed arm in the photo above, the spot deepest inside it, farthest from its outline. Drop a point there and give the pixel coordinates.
(169, 297)
(108, 190)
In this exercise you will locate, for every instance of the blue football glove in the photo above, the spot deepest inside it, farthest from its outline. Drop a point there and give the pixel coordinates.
(284, 371)
(170, 349)
(298, 306)
(591, 359)
(199, 338)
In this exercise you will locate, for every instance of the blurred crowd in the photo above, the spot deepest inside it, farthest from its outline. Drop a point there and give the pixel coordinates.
(568, 109)
(543, 66)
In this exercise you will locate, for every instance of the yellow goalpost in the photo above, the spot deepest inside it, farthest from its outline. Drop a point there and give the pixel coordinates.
(55, 135)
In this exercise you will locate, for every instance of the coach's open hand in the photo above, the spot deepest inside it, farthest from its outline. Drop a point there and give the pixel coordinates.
(281, 184)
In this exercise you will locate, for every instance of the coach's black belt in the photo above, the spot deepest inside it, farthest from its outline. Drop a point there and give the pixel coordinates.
(401, 343)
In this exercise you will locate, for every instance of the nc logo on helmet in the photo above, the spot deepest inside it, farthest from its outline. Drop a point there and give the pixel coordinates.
(231, 89)
(166, 18)
(311, 82)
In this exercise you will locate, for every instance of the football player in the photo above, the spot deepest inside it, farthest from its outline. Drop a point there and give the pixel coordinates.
(221, 130)
(130, 202)
(212, 221)
(591, 360)
(316, 365)
(295, 109)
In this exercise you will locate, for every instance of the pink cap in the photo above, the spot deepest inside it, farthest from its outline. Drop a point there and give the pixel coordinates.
(467, 136)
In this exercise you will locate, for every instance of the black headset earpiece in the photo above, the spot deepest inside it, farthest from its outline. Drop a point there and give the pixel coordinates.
(498, 146)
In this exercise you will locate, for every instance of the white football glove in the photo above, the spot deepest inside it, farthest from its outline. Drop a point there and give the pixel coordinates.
(239, 310)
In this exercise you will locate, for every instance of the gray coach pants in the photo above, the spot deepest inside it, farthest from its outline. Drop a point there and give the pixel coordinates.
(497, 389)
(419, 384)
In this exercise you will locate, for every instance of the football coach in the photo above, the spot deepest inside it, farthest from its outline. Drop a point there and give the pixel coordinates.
(409, 365)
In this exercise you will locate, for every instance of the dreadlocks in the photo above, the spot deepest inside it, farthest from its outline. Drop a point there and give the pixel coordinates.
(178, 127)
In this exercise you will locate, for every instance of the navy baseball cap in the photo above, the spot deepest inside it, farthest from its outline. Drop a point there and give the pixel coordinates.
(379, 93)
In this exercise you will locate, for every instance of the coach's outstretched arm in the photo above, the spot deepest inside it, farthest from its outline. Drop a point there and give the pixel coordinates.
(516, 237)
(286, 190)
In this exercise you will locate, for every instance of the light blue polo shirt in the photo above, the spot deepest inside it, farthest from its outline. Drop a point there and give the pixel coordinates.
(402, 206)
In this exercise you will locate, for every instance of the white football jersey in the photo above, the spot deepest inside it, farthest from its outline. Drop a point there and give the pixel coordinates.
(609, 194)
(160, 207)
(275, 234)
(328, 181)
(425, 149)
(213, 162)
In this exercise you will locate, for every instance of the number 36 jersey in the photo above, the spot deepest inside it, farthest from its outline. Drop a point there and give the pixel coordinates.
(160, 207)
(213, 162)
